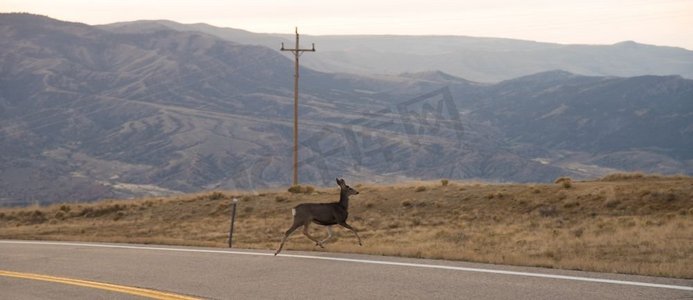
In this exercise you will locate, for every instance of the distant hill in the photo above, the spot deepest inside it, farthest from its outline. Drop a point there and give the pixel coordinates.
(552, 225)
(637, 123)
(89, 113)
(473, 58)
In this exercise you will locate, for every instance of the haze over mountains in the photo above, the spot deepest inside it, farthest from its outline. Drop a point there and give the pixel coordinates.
(148, 108)
(473, 58)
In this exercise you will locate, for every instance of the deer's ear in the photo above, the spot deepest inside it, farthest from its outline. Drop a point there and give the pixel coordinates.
(338, 183)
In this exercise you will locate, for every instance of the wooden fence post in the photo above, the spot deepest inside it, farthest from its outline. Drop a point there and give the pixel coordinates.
(233, 220)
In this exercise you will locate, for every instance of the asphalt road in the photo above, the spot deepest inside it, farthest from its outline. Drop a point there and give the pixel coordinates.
(213, 273)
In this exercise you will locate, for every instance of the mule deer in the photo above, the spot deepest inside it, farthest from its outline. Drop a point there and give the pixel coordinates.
(325, 214)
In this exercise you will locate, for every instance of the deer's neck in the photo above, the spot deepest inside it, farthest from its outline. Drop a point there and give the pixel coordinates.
(344, 200)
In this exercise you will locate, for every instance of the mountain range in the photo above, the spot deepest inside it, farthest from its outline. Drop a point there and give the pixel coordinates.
(149, 108)
(473, 58)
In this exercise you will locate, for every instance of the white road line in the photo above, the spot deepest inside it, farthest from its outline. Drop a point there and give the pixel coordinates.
(363, 261)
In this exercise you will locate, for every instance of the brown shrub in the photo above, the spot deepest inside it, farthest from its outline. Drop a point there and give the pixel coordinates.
(298, 189)
(612, 203)
(561, 179)
(101, 210)
(548, 211)
(294, 189)
(566, 182)
(571, 204)
(36, 217)
(119, 215)
(623, 176)
(216, 196)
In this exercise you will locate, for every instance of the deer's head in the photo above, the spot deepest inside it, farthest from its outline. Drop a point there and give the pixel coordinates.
(345, 188)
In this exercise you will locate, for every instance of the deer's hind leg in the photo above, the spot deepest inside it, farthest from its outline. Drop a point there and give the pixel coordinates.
(288, 233)
(329, 235)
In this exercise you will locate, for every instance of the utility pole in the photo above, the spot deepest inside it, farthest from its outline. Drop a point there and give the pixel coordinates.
(297, 52)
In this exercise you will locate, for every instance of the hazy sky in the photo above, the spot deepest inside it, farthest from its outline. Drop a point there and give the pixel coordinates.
(659, 22)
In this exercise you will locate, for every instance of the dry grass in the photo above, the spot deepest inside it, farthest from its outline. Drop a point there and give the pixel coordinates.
(641, 225)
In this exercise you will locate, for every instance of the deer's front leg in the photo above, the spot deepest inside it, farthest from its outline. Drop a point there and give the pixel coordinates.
(347, 226)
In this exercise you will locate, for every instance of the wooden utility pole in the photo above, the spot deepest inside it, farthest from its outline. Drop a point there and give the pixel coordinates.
(297, 52)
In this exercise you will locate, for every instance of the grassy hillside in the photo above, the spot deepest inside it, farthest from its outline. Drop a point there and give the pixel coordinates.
(622, 223)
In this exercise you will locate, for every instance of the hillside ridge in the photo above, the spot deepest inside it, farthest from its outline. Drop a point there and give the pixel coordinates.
(623, 223)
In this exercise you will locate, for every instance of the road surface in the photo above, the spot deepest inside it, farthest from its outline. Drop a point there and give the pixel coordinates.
(66, 270)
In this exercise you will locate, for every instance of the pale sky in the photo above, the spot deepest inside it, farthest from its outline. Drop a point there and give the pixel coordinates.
(658, 22)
